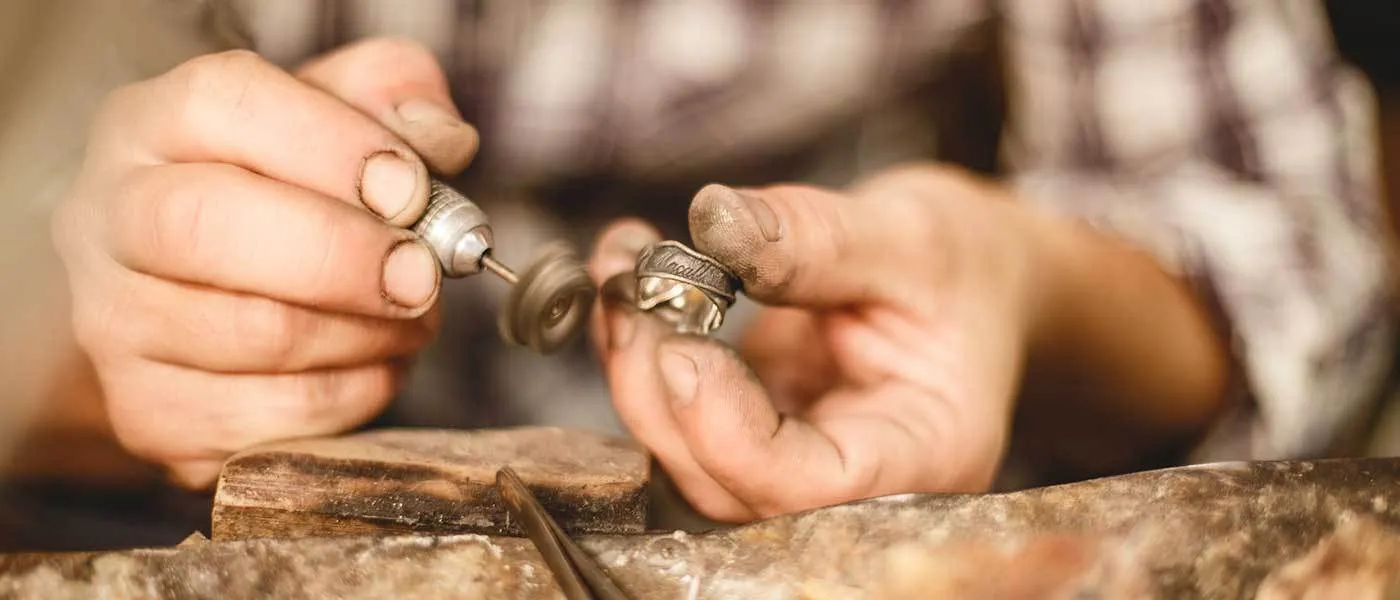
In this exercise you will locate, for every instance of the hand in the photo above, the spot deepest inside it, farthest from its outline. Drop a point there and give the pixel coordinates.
(889, 355)
(236, 252)
(886, 362)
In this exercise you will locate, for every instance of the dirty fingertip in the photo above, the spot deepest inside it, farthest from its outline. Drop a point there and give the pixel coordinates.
(731, 224)
(439, 135)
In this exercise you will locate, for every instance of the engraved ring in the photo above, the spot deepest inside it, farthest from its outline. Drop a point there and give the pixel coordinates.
(687, 288)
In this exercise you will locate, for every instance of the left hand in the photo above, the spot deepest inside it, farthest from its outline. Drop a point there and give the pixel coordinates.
(886, 361)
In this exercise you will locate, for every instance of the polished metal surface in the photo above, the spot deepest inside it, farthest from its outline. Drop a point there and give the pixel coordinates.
(456, 229)
(686, 288)
(549, 301)
(499, 269)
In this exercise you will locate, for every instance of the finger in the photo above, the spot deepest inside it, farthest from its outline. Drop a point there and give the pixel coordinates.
(172, 415)
(225, 332)
(618, 246)
(237, 108)
(615, 252)
(401, 85)
(194, 474)
(630, 365)
(785, 348)
(793, 244)
(223, 227)
(858, 447)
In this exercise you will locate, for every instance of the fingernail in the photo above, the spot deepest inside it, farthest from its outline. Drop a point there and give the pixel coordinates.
(420, 111)
(680, 375)
(388, 184)
(620, 327)
(722, 216)
(763, 214)
(410, 274)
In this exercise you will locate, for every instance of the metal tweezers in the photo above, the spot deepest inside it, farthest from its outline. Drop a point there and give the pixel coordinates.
(579, 576)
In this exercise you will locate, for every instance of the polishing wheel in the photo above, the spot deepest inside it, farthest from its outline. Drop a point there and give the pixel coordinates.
(549, 303)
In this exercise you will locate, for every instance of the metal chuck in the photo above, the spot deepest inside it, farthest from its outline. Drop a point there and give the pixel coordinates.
(549, 301)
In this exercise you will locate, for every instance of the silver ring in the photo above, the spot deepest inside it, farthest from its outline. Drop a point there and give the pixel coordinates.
(684, 287)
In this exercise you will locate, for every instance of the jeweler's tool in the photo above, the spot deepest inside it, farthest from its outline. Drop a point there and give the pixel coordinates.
(548, 304)
(578, 575)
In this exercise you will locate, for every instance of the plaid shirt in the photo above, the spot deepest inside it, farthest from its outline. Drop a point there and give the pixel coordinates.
(1226, 137)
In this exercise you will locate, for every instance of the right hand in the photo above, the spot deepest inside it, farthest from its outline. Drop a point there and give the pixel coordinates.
(237, 251)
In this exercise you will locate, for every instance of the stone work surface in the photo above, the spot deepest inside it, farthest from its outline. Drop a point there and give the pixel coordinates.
(1258, 530)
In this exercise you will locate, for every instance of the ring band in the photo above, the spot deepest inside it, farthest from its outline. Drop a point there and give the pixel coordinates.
(686, 288)
(675, 261)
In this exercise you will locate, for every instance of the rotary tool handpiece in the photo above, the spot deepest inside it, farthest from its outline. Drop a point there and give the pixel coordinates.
(548, 304)
(456, 229)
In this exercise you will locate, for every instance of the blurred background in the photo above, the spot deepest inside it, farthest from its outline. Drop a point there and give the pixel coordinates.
(65, 484)
(1368, 34)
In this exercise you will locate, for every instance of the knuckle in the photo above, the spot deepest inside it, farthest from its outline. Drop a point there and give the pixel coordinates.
(128, 409)
(825, 236)
(215, 70)
(923, 175)
(399, 50)
(358, 71)
(918, 219)
(144, 446)
(269, 330)
(63, 228)
(773, 497)
(179, 221)
(105, 324)
(817, 213)
(345, 396)
(115, 109)
(715, 507)
(213, 85)
(915, 199)
(90, 331)
(315, 394)
(322, 269)
(844, 487)
(857, 482)
(271, 407)
(194, 474)
(771, 503)
(139, 444)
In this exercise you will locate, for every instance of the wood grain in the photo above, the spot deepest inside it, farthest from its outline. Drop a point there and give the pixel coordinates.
(1209, 531)
(429, 481)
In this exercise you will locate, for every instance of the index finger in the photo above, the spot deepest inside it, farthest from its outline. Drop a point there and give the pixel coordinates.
(237, 108)
(854, 444)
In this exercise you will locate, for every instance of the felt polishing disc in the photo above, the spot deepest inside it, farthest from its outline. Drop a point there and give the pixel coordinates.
(549, 305)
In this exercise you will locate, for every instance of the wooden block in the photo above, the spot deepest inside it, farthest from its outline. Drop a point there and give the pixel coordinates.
(431, 482)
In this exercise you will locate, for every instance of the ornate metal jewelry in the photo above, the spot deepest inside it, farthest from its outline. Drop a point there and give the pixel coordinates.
(684, 287)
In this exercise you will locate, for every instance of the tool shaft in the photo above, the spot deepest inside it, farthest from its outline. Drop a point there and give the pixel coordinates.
(549, 300)
(495, 266)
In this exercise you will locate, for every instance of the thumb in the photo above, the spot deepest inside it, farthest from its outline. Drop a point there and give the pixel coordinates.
(793, 245)
(400, 84)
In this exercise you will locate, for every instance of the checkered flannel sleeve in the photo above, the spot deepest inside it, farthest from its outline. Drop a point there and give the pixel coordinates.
(1227, 138)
